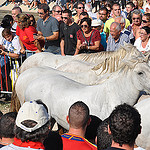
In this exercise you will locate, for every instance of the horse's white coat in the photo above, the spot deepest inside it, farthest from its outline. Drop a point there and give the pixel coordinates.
(143, 140)
(59, 92)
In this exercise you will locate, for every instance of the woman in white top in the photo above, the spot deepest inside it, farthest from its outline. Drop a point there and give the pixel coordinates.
(143, 42)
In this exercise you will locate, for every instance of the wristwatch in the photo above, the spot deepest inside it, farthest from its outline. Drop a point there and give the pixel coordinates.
(45, 39)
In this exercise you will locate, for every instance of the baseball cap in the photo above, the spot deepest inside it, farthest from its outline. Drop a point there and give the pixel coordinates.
(32, 111)
(96, 23)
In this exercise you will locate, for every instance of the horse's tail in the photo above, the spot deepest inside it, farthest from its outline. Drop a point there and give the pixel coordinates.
(15, 103)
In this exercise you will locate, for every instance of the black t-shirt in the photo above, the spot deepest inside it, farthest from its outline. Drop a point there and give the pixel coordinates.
(1, 145)
(70, 37)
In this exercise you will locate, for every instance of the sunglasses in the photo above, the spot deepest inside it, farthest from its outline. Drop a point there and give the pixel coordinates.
(80, 7)
(64, 17)
(40, 13)
(144, 21)
(58, 11)
(84, 26)
(135, 18)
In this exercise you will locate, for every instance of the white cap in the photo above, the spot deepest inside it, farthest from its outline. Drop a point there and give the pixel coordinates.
(96, 23)
(32, 111)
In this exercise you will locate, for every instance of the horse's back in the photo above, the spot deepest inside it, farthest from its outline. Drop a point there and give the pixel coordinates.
(143, 140)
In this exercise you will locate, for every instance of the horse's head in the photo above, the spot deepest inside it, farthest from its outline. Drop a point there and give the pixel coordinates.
(141, 75)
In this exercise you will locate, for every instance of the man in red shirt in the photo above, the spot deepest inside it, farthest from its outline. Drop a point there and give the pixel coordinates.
(78, 119)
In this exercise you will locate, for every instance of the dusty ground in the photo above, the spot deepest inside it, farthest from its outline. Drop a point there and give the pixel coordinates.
(4, 105)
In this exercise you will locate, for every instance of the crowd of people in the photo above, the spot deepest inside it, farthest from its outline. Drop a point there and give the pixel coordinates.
(30, 128)
(63, 33)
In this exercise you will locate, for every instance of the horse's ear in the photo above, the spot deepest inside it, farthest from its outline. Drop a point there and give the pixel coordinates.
(147, 56)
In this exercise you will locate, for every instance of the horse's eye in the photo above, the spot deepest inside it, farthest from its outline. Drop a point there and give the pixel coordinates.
(140, 73)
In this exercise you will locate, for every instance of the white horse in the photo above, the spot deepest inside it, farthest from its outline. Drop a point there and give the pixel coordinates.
(79, 63)
(59, 92)
(143, 140)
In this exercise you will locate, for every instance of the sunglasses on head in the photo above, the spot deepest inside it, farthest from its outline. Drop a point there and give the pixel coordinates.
(80, 7)
(64, 17)
(85, 26)
(144, 21)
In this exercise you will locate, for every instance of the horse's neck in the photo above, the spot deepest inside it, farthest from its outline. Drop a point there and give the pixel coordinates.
(125, 88)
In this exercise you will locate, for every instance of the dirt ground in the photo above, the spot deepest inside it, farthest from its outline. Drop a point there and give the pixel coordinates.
(4, 105)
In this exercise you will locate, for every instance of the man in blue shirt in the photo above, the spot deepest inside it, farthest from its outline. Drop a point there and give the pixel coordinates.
(116, 37)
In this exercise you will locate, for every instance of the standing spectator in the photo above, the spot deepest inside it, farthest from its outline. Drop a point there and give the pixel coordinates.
(25, 32)
(104, 140)
(116, 11)
(98, 25)
(143, 42)
(146, 20)
(88, 39)
(4, 60)
(56, 10)
(103, 14)
(68, 35)
(116, 37)
(129, 8)
(121, 21)
(88, 8)
(48, 29)
(31, 128)
(79, 9)
(124, 126)
(83, 15)
(11, 48)
(136, 23)
(7, 123)
(15, 12)
(78, 119)
(96, 4)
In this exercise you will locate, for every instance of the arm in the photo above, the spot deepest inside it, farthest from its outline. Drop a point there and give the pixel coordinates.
(94, 47)
(49, 38)
(22, 47)
(62, 47)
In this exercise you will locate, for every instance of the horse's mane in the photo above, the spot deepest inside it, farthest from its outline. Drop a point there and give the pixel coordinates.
(115, 60)
(99, 57)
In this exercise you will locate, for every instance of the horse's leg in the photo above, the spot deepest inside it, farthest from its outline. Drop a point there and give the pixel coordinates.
(15, 103)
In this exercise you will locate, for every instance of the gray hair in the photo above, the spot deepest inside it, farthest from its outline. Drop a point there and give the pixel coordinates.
(54, 7)
(88, 7)
(122, 20)
(137, 12)
(118, 26)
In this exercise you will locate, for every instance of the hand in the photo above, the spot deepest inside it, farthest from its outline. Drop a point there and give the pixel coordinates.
(22, 51)
(38, 51)
(2, 47)
(40, 37)
(3, 52)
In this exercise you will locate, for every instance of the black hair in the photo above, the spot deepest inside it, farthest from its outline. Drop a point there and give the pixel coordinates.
(68, 11)
(7, 123)
(88, 20)
(147, 29)
(103, 9)
(131, 4)
(35, 136)
(104, 139)
(91, 130)
(44, 6)
(124, 123)
(6, 22)
(84, 14)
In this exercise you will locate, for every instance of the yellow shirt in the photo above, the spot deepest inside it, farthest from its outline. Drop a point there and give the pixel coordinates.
(110, 21)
